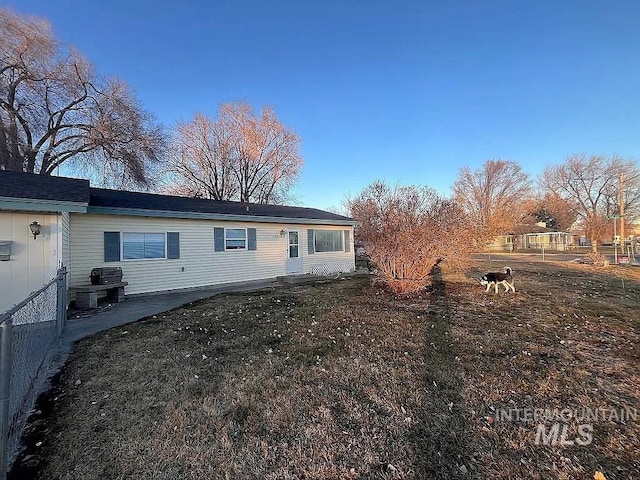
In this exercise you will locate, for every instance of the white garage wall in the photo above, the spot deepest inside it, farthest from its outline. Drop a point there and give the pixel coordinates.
(33, 262)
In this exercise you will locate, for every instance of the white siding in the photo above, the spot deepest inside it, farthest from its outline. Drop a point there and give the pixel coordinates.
(33, 261)
(64, 240)
(199, 265)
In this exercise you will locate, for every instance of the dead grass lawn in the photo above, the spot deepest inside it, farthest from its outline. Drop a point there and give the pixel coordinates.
(340, 380)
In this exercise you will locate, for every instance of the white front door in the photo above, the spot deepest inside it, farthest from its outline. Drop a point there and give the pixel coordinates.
(294, 261)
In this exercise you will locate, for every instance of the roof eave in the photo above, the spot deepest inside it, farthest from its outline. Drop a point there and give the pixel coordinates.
(38, 205)
(138, 212)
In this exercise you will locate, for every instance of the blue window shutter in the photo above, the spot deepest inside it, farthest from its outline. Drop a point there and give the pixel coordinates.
(218, 239)
(173, 244)
(347, 240)
(251, 239)
(310, 239)
(111, 246)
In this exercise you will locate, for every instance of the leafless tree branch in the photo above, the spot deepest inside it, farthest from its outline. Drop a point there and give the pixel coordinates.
(54, 108)
(237, 156)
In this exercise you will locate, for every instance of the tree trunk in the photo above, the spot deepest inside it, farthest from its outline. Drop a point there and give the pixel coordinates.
(14, 163)
(4, 148)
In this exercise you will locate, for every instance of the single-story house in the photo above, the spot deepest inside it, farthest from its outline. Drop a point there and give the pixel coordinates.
(502, 243)
(560, 241)
(528, 237)
(161, 242)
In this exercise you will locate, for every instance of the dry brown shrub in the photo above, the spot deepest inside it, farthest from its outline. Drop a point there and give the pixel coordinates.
(408, 231)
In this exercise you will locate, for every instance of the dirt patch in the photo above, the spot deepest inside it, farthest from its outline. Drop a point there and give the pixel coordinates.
(341, 380)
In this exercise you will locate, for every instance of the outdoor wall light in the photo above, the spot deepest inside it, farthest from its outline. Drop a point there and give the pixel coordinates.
(35, 229)
(282, 232)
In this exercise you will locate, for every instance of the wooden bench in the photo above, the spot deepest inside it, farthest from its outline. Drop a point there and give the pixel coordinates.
(87, 295)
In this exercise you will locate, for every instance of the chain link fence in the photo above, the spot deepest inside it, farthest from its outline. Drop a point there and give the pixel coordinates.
(28, 332)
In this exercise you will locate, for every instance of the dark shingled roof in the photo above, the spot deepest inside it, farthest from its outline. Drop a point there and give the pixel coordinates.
(43, 187)
(104, 198)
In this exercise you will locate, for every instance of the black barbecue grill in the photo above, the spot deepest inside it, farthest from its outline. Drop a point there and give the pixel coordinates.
(106, 275)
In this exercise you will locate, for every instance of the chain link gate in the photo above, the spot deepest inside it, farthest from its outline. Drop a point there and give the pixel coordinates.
(28, 332)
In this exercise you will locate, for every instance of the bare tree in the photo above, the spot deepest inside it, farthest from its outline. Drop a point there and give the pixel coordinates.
(201, 161)
(592, 184)
(54, 109)
(492, 196)
(407, 231)
(237, 156)
(556, 212)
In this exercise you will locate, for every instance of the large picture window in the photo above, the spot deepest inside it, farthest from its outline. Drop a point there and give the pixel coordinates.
(235, 238)
(328, 240)
(143, 245)
(133, 246)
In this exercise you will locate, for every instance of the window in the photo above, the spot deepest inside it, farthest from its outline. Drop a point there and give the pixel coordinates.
(229, 239)
(143, 245)
(347, 240)
(136, 246)
(293, 244)
(328, 240)
(235, 238)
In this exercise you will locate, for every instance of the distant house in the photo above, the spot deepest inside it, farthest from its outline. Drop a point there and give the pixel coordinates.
(560, 241)
(633, 233)
(502, 243)
(533, 237)
(161, 242)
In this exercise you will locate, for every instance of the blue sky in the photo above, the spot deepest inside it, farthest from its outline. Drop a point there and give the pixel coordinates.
(404, 91)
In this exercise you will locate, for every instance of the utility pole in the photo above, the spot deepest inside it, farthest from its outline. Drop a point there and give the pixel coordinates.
(622, 238)
(615, 245)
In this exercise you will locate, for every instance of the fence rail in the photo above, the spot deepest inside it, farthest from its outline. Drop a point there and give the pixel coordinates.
(28, 331)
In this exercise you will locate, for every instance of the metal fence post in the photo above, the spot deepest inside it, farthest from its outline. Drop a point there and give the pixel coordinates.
(63, 299)
(58, 304)
(5, 378)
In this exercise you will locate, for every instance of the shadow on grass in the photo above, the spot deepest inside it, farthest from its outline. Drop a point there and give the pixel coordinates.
(441, 437)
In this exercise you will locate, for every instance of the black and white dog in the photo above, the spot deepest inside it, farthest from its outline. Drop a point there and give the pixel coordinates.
(496, 278)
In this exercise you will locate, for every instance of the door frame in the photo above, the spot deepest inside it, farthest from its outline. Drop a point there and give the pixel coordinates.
(293, 264)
